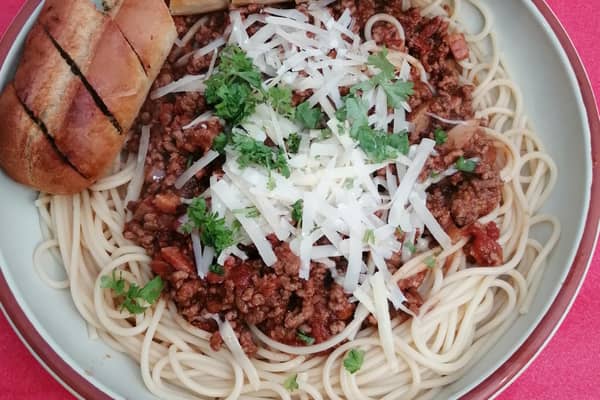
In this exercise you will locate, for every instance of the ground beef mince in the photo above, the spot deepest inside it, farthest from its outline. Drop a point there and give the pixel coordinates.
(274, 298)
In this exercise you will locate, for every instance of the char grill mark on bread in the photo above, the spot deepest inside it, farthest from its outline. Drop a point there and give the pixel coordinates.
(80, 85)
(44, 130)
(91, 90)
(48, 86)
(28, 154)
(120, 99)
(77, 43)
(149, 28)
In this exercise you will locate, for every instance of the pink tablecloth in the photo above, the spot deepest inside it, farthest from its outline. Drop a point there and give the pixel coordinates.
(569, 368)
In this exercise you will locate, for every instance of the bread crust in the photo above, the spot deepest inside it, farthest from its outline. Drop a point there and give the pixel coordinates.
(44, 81)
(28, 155)
(78, 89)
(124, 97)
(57, 18)
(149, 28)
(59, 98)
(105, 55)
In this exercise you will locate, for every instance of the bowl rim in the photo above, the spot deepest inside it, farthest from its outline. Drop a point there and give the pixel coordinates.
(490, 387)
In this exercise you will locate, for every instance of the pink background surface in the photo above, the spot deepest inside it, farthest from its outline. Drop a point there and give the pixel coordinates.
(569, 367)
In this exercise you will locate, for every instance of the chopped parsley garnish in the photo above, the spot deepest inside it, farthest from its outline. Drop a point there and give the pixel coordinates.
(430, 262)
(190, 161)
(354, 360)
(249, 212)
(397, 92)
(291, 383)
(216, 269)
(378, 145)
(309, 340)
(381, 146)
(440, 136)
(434, 174)
(308, 116)
(297, 210)
(213, 230)
(326, 134)
(220, 142)
(236, 87)
(280, 98)
(293, 143)
(465, 165)
(411, 247)
(381, 61)
(255, 152)
(369, 237)
(271, 184)
(134, 297)
(356, 111)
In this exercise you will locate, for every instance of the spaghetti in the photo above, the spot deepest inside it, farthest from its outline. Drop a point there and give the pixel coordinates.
(466, 308)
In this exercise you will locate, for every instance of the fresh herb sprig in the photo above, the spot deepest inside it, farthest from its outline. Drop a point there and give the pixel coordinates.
(236, 86)
(303, 337)
(377, 145)
(464, 165)
(297, 210)
(440, 136)
(397, 91)
(213, 230)
(309, 117)
(291, 383)
(255, 152)
(134, 297)
(293, 143)
(280, 98)
(354, 360)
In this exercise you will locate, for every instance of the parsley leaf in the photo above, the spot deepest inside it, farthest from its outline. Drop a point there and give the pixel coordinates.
(380, 146)
(430, 262)
(308, 116)
(369, 237)
(213, 230)
(354, 360)
(291, 383)
(440, 136)
(309, 340)
(249, 212)
(190, 161)
(271, 184)
(280, 98)
(397, 92)
(236, 87)
(135, 297)
(220, 142)
(377, 145)
(293, 143)
(297, 210)
(465, 165)
(356, 111)
(236, 102)
(255, 152)
(381, 61)
(216, 269)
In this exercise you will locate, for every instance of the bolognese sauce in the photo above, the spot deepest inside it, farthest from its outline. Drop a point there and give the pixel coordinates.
(285, 307)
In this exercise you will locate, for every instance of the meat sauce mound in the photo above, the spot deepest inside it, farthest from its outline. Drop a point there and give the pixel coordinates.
(274, 298)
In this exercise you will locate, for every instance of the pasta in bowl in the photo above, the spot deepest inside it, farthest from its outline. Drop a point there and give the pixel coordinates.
(335, 202)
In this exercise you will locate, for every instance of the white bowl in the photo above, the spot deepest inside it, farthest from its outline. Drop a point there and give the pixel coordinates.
(559, 100)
